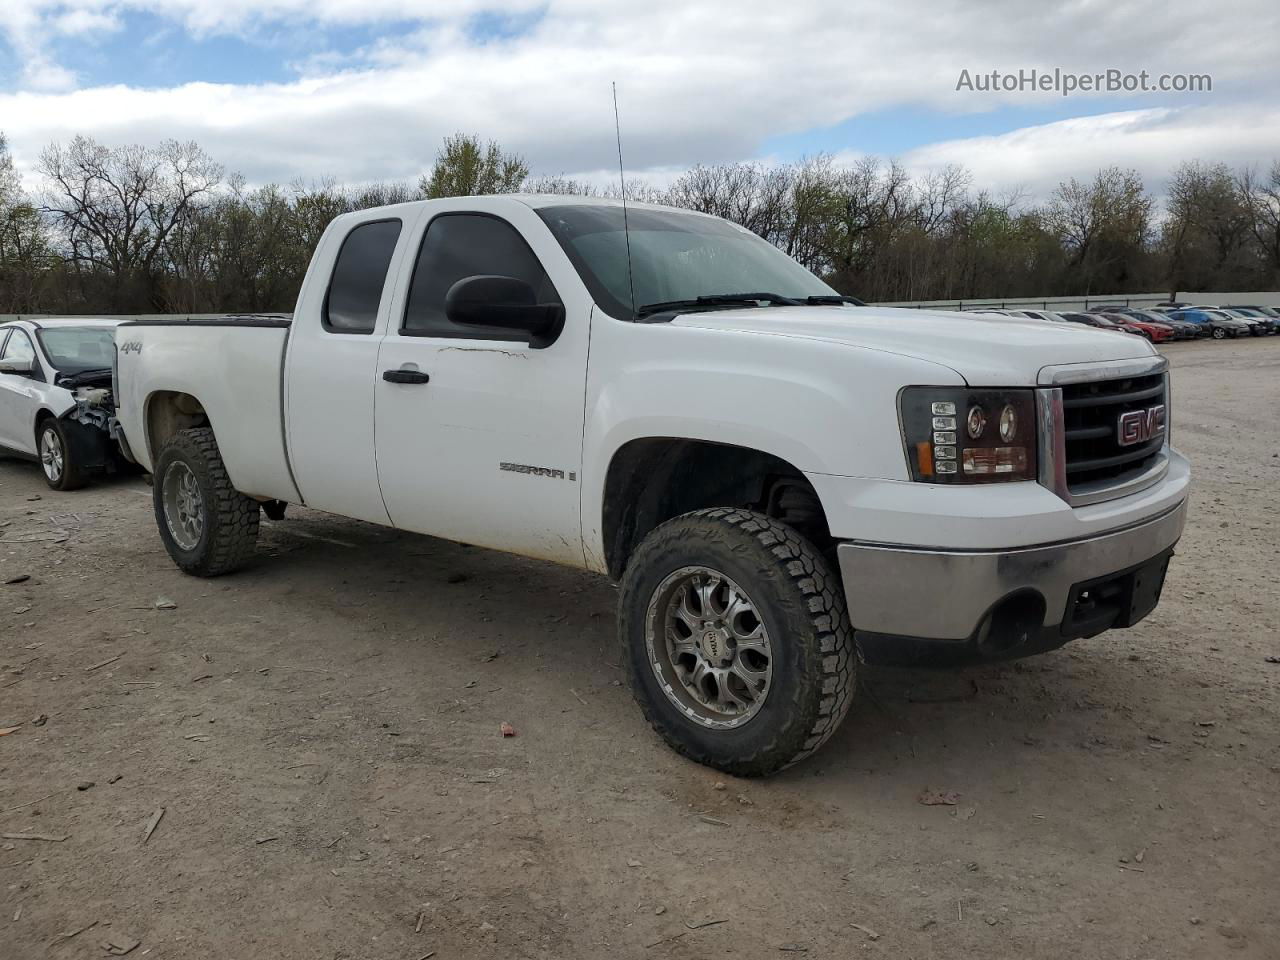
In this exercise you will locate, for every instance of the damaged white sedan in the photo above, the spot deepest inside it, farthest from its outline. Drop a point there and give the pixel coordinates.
(56, 402)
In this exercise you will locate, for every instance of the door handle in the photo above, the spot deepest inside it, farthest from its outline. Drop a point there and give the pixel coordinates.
(405, 376)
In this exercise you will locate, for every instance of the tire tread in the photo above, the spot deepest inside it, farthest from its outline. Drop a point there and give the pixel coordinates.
(824, 606)
(231, 517)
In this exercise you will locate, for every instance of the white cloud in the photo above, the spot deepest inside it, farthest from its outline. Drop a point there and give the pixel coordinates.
(1153, 142)
(82, 21)
(40, 73)
(698, 82)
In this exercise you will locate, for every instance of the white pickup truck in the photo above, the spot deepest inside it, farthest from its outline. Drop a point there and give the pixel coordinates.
(784, 481)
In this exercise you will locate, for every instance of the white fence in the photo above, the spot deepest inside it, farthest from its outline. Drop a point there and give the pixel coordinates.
(1139, 300)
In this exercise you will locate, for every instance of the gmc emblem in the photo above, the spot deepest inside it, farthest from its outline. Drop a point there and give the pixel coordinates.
(1139, 426)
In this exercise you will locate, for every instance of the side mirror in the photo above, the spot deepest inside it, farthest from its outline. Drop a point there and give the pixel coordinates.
(15, 366)
(505, 302)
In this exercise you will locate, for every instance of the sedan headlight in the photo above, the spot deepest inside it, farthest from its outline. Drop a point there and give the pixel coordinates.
(958, 435)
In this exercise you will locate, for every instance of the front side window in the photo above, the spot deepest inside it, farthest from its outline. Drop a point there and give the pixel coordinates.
(360, 273)
(19, 348)
(672, 255)
(461, 245)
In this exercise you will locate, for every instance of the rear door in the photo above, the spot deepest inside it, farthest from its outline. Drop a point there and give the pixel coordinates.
(20, 394)
(487, 447)
(331, 366)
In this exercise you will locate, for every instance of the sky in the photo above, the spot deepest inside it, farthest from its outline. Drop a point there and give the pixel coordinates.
(365, 90)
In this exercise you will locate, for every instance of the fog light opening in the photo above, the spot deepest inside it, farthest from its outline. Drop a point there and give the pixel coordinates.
(1014, 621)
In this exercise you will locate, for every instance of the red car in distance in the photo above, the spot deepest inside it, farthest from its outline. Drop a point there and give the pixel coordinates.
(1155, 332)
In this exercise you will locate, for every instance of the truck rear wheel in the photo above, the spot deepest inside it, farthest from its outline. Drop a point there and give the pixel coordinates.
(208, 527)
(736, 640)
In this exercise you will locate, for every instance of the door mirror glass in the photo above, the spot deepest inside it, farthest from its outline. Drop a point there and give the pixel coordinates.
(505, 302)
(15, 366)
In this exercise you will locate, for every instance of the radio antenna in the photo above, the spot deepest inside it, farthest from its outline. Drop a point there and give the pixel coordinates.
(622, 182)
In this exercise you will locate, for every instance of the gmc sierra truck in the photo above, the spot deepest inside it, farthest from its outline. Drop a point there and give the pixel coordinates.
(785, 482)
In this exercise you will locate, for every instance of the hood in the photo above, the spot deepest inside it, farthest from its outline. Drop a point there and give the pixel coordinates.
(986, 351)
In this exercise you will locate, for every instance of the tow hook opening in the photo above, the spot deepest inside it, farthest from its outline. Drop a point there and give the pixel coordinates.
(1014, 621)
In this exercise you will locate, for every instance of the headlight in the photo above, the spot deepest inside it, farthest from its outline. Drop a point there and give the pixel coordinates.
(958, 435)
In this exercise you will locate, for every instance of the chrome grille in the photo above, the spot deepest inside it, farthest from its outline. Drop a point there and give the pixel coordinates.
(1093, 456)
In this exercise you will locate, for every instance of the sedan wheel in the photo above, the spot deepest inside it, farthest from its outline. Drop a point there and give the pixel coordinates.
(53, 456)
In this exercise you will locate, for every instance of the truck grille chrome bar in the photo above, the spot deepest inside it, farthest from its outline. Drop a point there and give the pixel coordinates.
(1086, 454)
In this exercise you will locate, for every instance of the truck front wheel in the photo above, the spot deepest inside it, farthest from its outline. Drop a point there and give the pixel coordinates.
(208, 527)
(736, 640)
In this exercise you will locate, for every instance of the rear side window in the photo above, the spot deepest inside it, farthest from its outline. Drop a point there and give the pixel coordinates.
(351, 304)
(460, 245)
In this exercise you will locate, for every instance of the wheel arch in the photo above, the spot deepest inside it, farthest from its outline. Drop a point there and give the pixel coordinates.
(43, 414)
(168, 412)
(650, 480)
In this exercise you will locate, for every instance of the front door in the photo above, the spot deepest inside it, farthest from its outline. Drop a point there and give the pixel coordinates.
(479, 435)
(20, 395)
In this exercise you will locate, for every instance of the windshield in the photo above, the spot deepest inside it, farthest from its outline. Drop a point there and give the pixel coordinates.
(77, 349)
(674, 256)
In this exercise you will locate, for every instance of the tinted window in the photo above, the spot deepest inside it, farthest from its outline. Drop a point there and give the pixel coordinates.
(468, 245)
(351, 305)
(19, 348)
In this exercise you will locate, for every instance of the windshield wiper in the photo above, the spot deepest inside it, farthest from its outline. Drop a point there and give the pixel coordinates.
(718, 300)
(829, 299)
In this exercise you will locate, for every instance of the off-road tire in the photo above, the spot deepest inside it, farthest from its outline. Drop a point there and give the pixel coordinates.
(802, 605)
(73, 475)
(230, 531)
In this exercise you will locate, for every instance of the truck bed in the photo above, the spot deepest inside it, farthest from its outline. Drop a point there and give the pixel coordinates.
(233, 367)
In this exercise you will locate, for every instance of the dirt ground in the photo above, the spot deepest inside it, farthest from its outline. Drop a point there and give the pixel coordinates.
(322, 735)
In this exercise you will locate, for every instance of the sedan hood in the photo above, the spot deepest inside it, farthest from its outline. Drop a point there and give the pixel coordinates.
(985, 351)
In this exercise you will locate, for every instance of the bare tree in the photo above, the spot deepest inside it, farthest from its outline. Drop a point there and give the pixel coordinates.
(1102, 224)
(117, 206)
(1261, 200)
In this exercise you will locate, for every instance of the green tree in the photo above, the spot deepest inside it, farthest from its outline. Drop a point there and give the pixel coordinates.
(466, 168)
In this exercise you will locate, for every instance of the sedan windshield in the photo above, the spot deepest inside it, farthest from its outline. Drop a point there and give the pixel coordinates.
(77, 349)
(674, 256)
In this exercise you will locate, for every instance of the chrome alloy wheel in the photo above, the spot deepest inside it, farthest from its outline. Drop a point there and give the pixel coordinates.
(708, 647)
(52, 456)
(183, 505)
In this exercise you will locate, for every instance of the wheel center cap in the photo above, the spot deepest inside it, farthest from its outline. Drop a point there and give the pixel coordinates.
(714, 645)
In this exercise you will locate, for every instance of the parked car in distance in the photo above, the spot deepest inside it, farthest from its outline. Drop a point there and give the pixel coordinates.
(1268, 324)
(1257, 327)
(1090, 320)
(782, 482)
(1181, 329)
(1118, 325)
(1049, 315)
(56, 404)
(1220, 325)
(1273, 312)
(1155, 332)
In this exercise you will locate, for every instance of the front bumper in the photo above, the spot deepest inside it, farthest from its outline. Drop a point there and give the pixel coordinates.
(908, 603)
